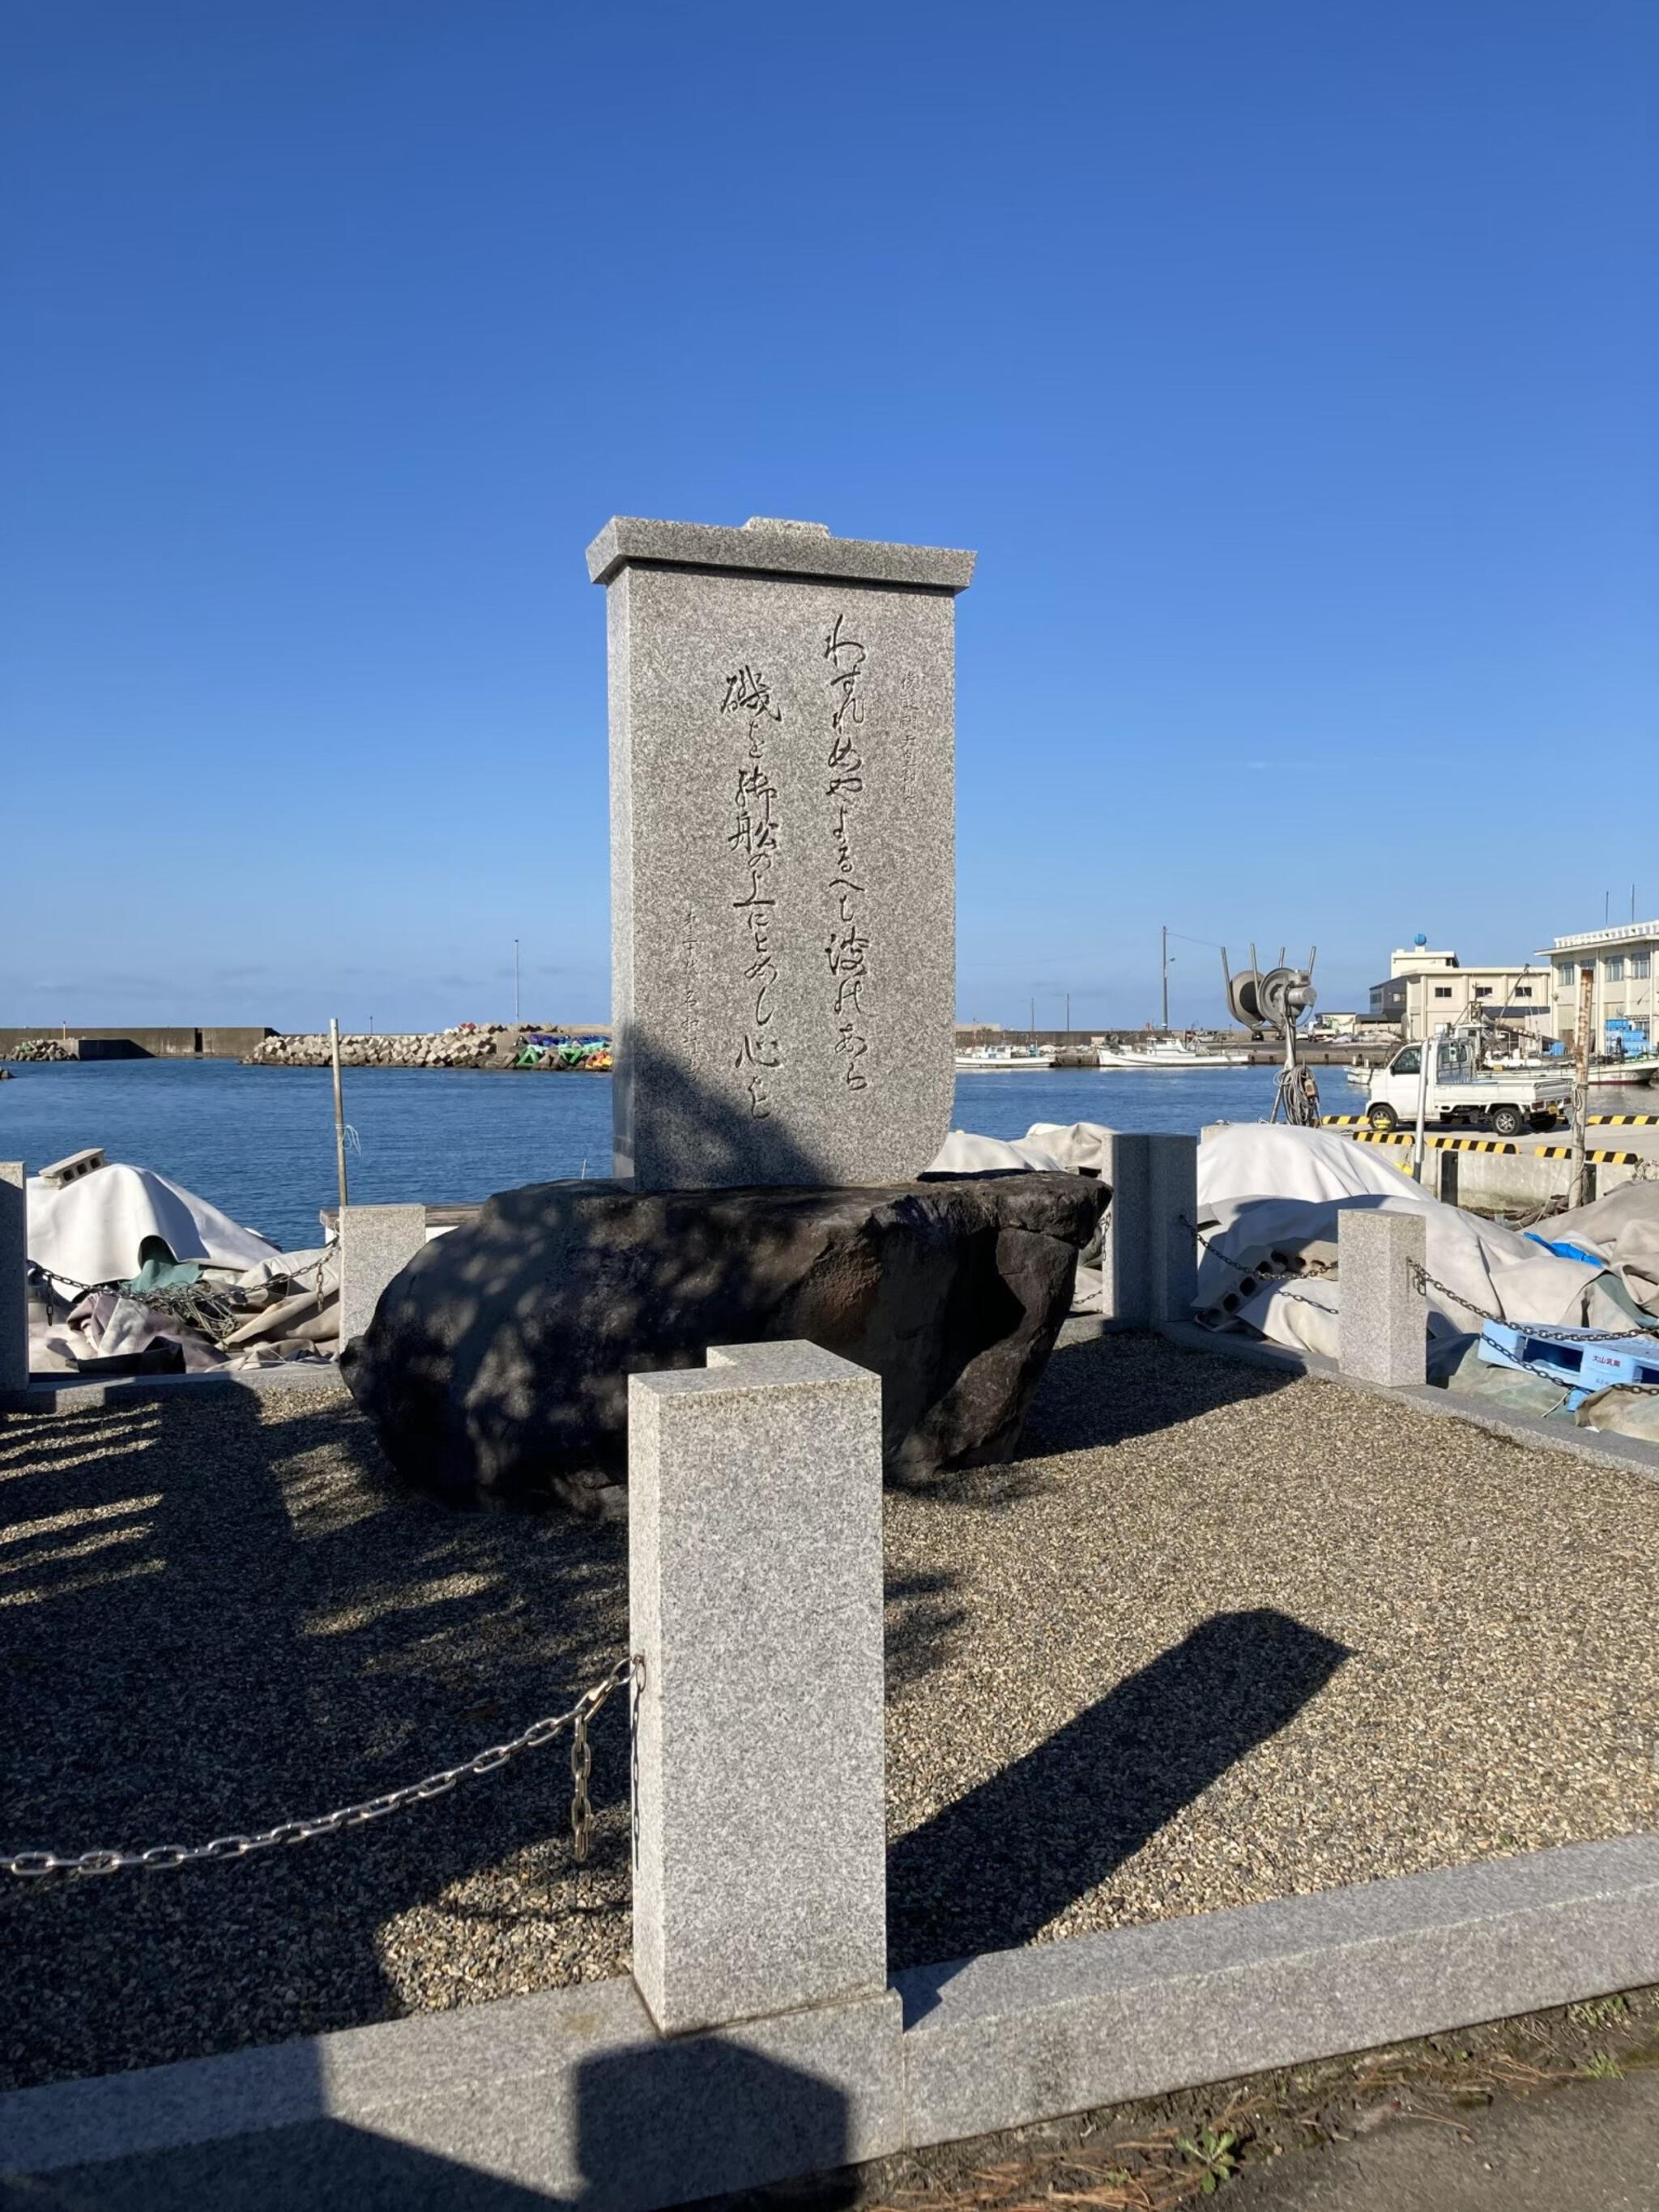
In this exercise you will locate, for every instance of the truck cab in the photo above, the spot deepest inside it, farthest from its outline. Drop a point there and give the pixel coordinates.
(1462, 1091)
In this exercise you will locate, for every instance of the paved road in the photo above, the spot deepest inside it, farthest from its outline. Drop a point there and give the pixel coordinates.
(1593, 2147)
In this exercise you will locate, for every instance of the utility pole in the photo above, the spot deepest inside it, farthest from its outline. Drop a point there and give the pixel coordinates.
(1031, 1034)
(1166, 979)
(339, 1110)
(1577, 1194)
(1068, 1017)
(515, 979)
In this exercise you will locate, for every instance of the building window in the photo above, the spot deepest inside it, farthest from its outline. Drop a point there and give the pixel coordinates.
(1614, 968)
(1442, 991)
(1524, 990)
(1565, 973)
(1483, 990)
(1641, 966)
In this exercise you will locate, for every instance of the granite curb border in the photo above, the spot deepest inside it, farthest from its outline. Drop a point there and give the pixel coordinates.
(572, 2095)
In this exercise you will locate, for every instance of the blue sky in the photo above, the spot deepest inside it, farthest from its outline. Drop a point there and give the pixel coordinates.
(1290, 364)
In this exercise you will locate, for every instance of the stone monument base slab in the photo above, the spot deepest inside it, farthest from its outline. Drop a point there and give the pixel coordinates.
(496, 1366)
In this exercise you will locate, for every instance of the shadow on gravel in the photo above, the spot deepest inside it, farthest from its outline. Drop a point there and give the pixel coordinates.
(219, 1623)
(1132, 1384)
(994, 1868)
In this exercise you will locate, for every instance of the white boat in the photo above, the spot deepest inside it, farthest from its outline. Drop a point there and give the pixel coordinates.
(1165, 1053)
(993, 1058)
(1642, 1068)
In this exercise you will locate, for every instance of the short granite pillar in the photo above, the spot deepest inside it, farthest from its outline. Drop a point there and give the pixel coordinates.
(1149, 1252)
(755, 1583)
(376, 1243)
(1384, 1327)
(14, 1284)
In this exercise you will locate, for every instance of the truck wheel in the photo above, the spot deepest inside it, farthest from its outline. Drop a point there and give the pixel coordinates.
(1507, 1120)
(1382, 1117)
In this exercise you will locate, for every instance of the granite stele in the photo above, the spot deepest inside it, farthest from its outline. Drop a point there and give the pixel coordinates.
(782, 851)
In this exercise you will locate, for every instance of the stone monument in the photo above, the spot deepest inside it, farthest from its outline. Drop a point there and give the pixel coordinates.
(782, 851)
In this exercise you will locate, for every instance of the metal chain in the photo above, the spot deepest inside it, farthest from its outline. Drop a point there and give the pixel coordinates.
(1263, 1275)
(1550, 1332)
(1428, 1282)
(209, 1309)
(30, 1865)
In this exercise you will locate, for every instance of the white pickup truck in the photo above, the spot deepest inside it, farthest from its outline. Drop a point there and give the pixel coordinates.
(1459, 1091)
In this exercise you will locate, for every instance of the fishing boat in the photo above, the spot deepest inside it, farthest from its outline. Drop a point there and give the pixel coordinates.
(1001, 1059)
(1640, 1067)
(1167, 1053)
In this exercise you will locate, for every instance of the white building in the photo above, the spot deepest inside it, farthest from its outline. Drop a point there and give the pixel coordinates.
(1427, 988)
(1621, 958)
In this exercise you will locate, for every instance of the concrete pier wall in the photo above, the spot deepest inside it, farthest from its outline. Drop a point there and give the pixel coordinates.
(143, 1043)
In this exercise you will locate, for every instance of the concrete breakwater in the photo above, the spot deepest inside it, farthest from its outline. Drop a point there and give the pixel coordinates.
(525, 1047)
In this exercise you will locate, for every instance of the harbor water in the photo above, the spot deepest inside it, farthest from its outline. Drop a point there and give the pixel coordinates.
(259, 1141)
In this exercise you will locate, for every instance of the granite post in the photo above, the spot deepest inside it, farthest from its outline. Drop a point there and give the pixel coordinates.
(755, 1580)
(376, 1243)
(1383, 1327)
(782, 851)
(1149, 1252)
(13, 1280)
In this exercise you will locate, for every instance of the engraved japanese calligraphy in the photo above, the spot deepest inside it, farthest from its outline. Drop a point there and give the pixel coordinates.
(847, 947)
(754, 838)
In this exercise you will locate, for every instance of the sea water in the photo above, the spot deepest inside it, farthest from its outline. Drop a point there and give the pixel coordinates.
(259, 1141)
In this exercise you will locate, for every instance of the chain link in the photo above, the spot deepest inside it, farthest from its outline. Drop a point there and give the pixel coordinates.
(1266, 1276)
(1426, 1282)
(31, 1865)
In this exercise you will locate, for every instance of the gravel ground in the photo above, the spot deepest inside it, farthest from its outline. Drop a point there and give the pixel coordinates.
(1216, 1637)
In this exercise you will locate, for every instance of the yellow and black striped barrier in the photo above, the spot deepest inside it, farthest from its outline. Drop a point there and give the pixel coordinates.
(1341, 1121)
(1619, 1121)
(1494, 1145)
(1435, 1143)
(1601, 1159)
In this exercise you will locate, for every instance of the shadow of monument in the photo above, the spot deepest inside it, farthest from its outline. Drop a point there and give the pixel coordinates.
(1133, 1383)
(991, 1870)
(724, 1145)
(655, 2124)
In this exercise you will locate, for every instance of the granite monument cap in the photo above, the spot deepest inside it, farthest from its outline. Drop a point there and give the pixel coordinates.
(767, 545)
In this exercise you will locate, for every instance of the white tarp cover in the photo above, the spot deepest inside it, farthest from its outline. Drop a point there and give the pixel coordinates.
(1268, 1197)
(89, 1231)
(962, 1153)
(1060, 1147)
(1622, 1229)
(1255, 1159)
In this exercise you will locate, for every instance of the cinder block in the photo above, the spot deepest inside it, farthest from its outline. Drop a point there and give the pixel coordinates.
(14, 1293)
(755, 1566)
(376, 1243)
(1149, 1256)
(1382, 1334)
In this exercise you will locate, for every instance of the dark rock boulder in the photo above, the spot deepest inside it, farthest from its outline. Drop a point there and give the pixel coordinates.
(496, 1365)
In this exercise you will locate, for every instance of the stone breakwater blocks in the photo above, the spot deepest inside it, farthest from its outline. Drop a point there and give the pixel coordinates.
(1384, 1319)
(782, 851)
(14, 1289)
(1149, 1255)
(377, 1242)
(755, 1579)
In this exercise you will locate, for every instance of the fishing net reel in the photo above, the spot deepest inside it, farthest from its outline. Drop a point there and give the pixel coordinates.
(1276, 1000)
